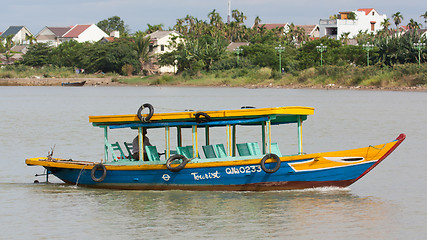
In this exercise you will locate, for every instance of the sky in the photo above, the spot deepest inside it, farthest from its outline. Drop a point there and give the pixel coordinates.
(136, 14)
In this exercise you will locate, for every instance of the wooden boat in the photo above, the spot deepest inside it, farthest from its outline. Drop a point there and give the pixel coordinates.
(229, 166)
(73, 84)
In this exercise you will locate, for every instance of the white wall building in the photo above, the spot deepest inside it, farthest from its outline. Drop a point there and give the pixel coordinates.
(19, 35)
(51, 35)
(160, 43)
(367, 19)
(84, 33)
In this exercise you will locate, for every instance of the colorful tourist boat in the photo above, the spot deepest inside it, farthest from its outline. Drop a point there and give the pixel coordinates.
(243, 166)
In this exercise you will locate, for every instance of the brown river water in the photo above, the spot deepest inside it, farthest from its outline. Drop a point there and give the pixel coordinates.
(388, 203)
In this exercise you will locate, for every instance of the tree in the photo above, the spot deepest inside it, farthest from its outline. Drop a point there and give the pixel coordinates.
(413, 24)
(397, 18)
(114, 23)
(425, 19)
(37, 55)
(153, 28)
(386, 23)
(30, 38)
(351, 16)
(142, 47)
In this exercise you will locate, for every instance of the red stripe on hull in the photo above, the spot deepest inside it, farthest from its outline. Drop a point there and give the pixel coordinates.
(399, 140)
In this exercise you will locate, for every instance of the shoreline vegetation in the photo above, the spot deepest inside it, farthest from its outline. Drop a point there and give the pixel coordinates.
(404, 77)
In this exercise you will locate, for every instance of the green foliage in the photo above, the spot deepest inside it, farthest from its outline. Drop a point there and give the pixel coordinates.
(37, 55)
(114, 23)
(397, 49)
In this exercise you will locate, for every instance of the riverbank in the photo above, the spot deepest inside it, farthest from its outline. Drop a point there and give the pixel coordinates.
(156, 81)
(39, 81)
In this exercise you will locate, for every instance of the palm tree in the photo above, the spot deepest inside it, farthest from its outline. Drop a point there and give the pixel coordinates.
(142, 47)
(386, 23)
(413, 24)
(30, 38)
(425, 19)
(397, 18)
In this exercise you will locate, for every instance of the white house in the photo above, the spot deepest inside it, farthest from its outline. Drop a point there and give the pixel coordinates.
(160, 43)
(51, 35)
(19, 34)
(367, 19)
(84, 33)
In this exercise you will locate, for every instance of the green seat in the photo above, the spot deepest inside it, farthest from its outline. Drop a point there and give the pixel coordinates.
(248, 149)
(184, 151)
(129, 148)
(243, 149)
(152, 153)
(254, 149)
(116, 147)
(209, 151)
(220, 150)
(275, 149)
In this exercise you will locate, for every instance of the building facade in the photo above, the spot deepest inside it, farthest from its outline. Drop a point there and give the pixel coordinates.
(366, 19)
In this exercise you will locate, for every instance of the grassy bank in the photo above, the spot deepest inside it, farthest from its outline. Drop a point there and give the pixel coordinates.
(398, 76)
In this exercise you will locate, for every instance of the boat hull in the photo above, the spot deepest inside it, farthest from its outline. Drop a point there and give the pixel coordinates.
(338, 169)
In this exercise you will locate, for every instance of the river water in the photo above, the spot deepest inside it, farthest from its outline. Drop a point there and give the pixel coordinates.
(388, 203)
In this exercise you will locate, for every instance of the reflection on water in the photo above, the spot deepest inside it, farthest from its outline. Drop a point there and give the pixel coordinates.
(58, 210)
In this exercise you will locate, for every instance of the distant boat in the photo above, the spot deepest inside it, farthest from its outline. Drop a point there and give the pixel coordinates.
(73, 84)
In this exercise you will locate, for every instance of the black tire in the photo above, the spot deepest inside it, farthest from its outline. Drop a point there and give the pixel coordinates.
(150, 113)
(206, 118)
(180, 166)
(270, 156)
(95, 168)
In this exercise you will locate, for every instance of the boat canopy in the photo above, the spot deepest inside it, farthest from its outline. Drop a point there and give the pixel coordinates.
(248, 116)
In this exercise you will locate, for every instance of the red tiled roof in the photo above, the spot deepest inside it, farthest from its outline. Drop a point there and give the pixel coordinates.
(76, 31)
(366, 10)
(273, 25)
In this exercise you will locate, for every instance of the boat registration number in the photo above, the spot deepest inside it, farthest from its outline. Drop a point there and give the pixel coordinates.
(243, 169)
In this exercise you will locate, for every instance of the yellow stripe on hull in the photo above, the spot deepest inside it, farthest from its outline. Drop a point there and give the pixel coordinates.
(315, 161)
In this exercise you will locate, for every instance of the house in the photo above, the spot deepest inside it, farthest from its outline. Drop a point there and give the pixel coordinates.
(234, 45)
(312, 31)
(83, 33)
(160, 43)
(366, 19)
(51, 35)
(114, 35)
(19, 34)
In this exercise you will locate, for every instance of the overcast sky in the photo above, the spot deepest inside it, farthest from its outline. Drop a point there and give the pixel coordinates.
(138, 13)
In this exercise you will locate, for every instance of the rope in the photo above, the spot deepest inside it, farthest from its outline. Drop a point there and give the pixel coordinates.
(370, 146)
(77, 182)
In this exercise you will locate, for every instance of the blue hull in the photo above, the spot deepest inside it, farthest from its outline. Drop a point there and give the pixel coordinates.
(245, 177)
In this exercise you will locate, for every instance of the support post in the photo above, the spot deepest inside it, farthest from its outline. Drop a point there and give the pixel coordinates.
(207, 139)
(106, 143)
(179, 137)
(234, 141)
(268, 128)
(229, 139)
(167, 143)
(141, 143)
(195, 147)
(299, 135)
(263, 137)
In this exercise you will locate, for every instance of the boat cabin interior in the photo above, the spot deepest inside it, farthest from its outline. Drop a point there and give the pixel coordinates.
(201, 148)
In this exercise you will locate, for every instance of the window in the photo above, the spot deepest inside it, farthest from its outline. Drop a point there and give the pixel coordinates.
(162, 48)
